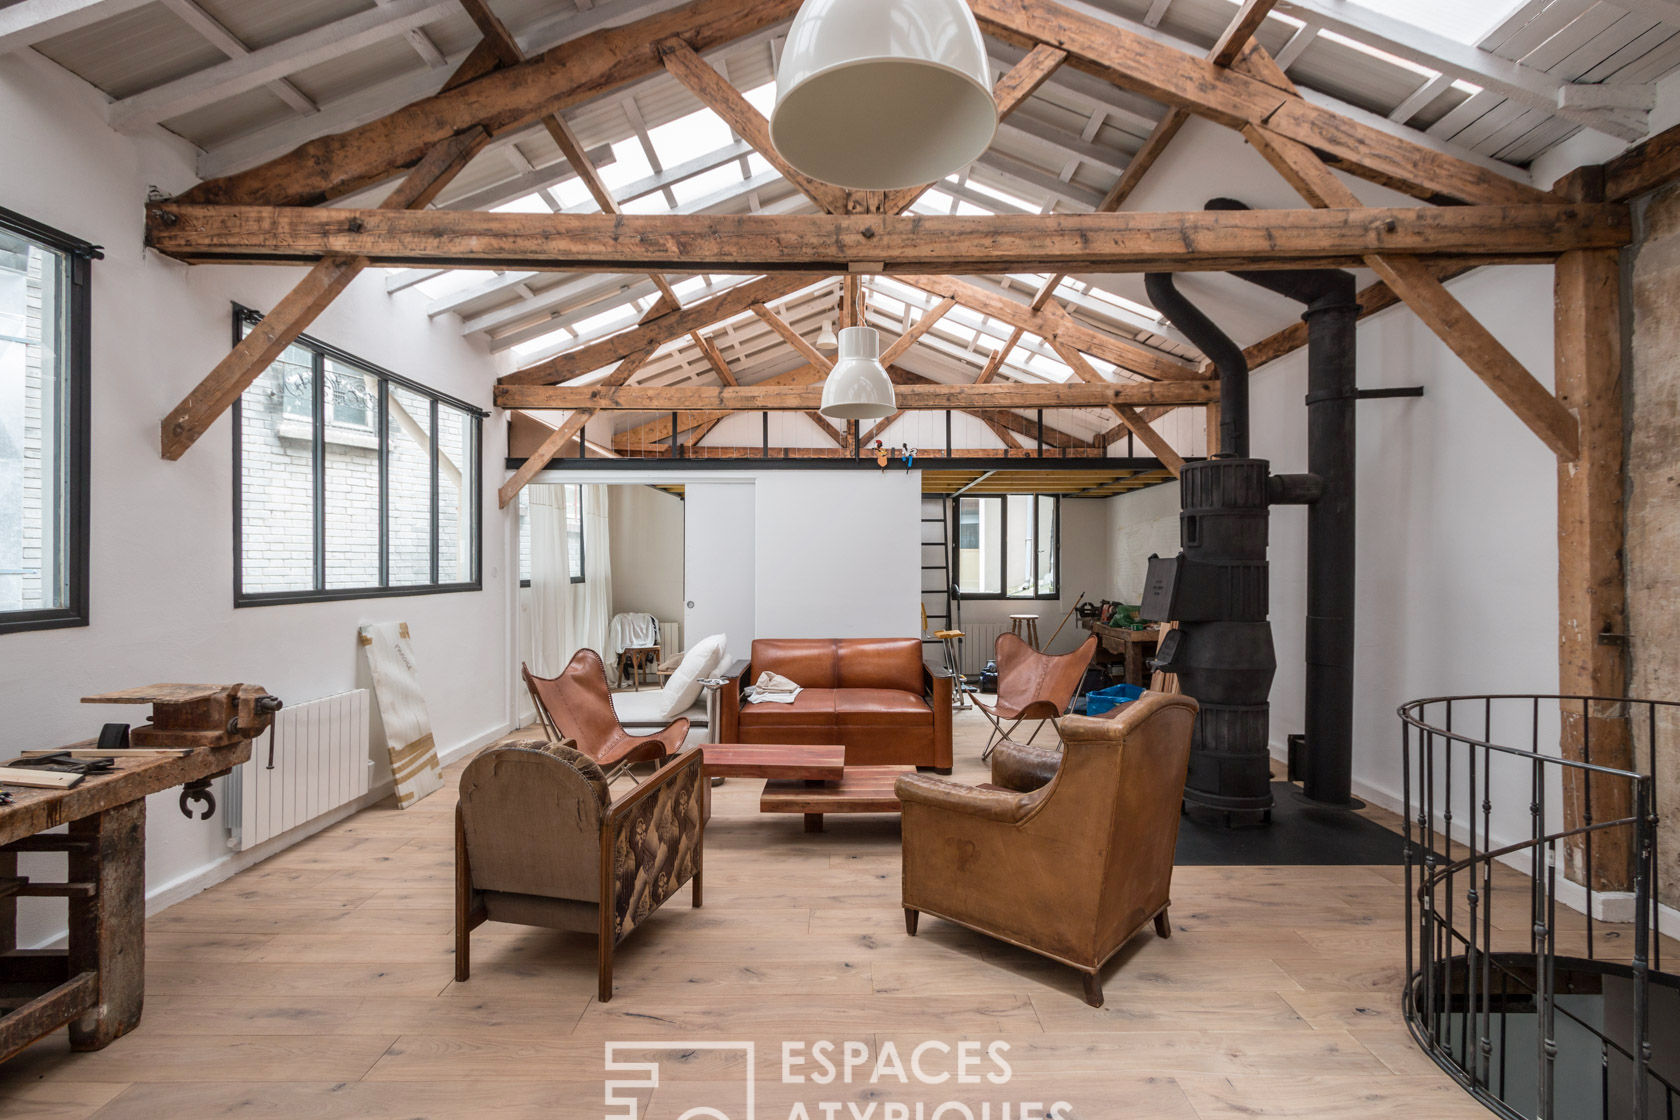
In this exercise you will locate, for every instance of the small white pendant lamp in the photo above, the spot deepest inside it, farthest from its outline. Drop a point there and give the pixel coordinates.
(825, 337)
(858, 387)
(881, 94)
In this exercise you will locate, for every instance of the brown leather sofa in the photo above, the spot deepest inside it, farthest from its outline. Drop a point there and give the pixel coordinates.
(872, 695)
(1067, 855)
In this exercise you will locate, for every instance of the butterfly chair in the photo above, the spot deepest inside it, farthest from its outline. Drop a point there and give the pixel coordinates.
(1032, 685)
(578, 705)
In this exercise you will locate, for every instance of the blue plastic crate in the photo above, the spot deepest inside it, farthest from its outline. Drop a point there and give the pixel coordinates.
(1106, 699)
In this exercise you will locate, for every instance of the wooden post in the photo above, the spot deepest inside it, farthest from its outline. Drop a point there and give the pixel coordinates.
(1592, 593)
(108, 931)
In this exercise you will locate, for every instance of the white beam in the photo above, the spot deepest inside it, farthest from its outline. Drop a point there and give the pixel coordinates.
(333, 40)
(1522, 84)
(32, 21)
(229, 44)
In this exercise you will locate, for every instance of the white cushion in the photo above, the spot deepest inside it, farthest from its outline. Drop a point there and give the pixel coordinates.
(683, 686)
(640, 709)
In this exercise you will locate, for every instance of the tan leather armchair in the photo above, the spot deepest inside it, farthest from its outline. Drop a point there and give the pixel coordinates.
(540, 842)
(577, 706)
(1066, 860)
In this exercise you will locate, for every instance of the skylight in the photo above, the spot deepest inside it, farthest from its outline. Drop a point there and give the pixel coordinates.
(1467, 23)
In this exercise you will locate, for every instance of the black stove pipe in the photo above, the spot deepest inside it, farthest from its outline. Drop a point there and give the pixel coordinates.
(1227, 358)
(1332, 315)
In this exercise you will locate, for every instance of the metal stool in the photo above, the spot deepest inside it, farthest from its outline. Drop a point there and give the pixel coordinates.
(1025, 627)
(959, 692)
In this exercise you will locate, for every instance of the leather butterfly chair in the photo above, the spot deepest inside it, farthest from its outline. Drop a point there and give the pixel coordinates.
(1067, 854)
(578, 705)
(1032, 685)
(539, 841)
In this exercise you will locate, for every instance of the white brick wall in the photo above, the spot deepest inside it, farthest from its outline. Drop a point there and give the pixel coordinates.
(277, 497)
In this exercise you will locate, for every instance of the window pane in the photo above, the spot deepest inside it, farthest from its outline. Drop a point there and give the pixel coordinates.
(574, 532)
(1046, 545)
(34, 426)
(409, 514)
(277, 478)
(352, 463)
(979, 546)
(1018, 556)
(454, 497)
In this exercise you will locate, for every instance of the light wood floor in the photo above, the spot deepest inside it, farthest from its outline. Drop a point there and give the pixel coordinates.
(318, 985)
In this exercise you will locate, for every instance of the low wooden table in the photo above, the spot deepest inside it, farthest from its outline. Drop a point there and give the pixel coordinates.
(794, 762)
(863, 789)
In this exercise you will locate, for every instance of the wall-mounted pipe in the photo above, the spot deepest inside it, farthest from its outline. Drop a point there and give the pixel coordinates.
(1227, 358)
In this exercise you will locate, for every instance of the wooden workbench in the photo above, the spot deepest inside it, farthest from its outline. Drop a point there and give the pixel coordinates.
(97, 983)
(1132, 648)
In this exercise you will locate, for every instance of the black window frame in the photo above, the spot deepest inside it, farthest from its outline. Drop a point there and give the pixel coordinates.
(77, 385)
(1003, 545)
(244, 317)
(523, 509)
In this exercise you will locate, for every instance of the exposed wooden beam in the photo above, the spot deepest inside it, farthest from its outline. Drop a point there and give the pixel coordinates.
(1163, 73)
(798, 398)
(724, 305)
(792, 337)
(851, 300)
(1122, 242)
(1413, 282)
(908, 339)
(1127, 415)
(1021, 81)
(1644, 167)
(999, 356)
(1240, 30)
(507, 48)
(267, 340)
(329, 167)
(715, 92)
(572, 427)
(708, 349)
(1592, 591)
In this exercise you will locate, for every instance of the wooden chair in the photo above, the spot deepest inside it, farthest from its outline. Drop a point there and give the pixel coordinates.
(1065, 855)
(1032, 685)
(577, 705)
(540, 842)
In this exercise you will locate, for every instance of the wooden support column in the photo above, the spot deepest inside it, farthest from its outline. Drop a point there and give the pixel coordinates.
(1592, 593)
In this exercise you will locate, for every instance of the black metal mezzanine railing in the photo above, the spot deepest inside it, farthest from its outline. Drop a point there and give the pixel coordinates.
(1540, 1012)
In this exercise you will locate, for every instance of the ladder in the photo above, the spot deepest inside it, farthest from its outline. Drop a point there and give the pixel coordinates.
(943, 609)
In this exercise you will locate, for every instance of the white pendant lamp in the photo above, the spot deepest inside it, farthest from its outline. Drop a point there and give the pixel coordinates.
(825, 337)
(881, 94)
(858, 387)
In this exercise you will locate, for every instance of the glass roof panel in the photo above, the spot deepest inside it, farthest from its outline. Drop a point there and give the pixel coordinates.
(629, 164)
(1467, 23)
(688, 137)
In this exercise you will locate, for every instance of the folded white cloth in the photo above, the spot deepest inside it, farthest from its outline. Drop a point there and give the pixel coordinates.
(773, 688)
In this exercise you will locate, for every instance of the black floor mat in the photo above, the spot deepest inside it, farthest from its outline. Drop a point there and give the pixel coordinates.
(1301, 833)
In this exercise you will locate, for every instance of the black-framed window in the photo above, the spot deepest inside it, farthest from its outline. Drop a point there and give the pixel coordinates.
(576, 552)
(46, 330)
(351, 481)
(1007, 546)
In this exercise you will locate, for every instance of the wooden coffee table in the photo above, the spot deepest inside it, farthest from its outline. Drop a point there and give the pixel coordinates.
(863, 789)
(796, 763)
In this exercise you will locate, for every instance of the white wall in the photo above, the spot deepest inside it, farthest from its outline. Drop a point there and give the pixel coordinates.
(646, 526)
(1140, 523)
(837, 554)
(162, 568)
(718, 545)
(1457, 537)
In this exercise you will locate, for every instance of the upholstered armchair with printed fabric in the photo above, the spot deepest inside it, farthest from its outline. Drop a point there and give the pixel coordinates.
(1066, 854)
(540, 841)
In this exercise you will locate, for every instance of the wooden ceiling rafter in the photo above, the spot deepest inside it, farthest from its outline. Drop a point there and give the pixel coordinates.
(911, 397)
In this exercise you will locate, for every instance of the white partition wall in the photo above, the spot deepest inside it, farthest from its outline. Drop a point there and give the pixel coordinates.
(718, 564)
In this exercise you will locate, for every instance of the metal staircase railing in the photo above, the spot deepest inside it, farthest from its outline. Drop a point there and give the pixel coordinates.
(1536, 1012)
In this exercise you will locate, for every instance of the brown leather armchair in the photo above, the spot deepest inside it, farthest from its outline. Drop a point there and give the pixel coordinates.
(1032, 685)
(1066, 860)
(577, 705)
(540, 842)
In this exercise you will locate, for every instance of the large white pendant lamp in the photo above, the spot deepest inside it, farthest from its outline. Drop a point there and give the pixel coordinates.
(880, 94)
(858, 387)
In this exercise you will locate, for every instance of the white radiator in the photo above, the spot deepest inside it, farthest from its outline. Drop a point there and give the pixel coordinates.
(670, 639)
(320, 763)
(978, 644)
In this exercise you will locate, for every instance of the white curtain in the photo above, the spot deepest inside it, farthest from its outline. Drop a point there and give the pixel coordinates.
(567, 616)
